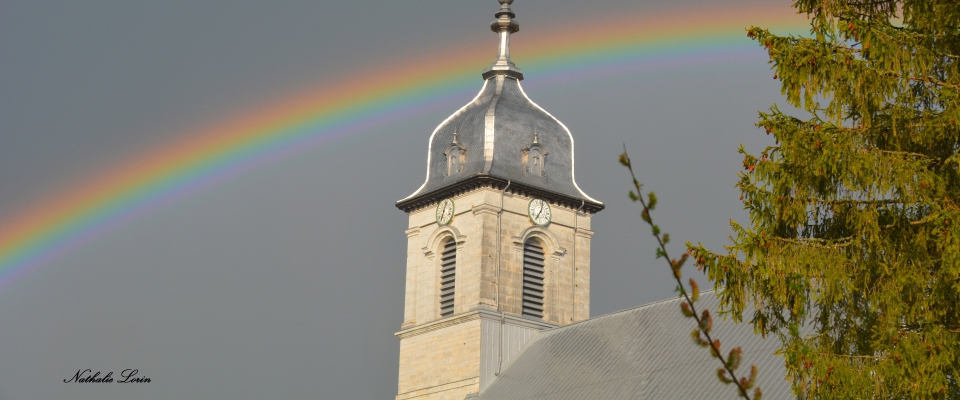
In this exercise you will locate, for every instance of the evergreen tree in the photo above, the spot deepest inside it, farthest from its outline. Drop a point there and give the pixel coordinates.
(852, 255)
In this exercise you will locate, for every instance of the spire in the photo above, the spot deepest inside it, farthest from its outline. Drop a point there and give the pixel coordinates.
(504, 25)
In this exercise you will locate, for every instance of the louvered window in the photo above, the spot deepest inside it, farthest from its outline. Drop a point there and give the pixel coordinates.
(448, 277)
(533, 279)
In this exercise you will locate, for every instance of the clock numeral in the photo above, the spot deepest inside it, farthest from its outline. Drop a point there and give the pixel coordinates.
(445, 212)
(539, 212)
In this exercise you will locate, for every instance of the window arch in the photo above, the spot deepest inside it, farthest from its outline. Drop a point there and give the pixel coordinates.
(533, 278)
(448, 277)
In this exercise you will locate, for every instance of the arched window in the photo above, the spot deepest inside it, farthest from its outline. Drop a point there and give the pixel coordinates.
(533, 262)
(448, 277)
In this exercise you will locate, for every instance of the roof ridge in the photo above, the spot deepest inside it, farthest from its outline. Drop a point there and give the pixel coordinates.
(658, 302)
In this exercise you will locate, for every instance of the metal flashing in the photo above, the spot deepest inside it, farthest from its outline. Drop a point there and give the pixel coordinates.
(490, 123)
(572, 152)
(434, 134)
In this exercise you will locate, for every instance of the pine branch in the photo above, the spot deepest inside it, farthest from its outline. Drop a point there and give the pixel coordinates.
(869, 3)
(704, 319)
(853, 201)
(901, 40)
(906, 154)
(818, 243)
(847, 201)
(851, 356)
(915, 78)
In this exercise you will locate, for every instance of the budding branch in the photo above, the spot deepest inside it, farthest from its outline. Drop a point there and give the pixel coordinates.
(704, 320)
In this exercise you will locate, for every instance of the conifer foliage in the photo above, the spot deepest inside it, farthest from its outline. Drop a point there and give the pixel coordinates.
(852, 254)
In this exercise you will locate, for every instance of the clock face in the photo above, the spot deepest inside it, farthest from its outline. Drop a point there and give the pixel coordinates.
(445, 212)
(539, 211)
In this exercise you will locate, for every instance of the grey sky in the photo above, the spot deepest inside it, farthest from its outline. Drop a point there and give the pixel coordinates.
(287, 280)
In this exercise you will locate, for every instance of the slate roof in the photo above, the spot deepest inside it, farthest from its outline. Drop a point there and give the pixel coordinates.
(639, 353)
(494, 129)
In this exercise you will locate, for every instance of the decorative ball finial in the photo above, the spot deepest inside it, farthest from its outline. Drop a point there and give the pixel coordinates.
(505, 11)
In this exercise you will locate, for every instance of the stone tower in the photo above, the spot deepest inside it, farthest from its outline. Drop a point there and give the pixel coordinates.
(498, 239)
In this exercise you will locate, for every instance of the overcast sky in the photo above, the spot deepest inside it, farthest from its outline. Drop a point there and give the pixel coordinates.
(286, 281)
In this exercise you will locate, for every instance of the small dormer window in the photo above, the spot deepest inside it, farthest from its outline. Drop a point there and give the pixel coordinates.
(456, 155)
(534, 157)
(535, 164)
(453, 162)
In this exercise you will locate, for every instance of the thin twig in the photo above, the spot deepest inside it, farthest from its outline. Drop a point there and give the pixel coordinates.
(673, 264)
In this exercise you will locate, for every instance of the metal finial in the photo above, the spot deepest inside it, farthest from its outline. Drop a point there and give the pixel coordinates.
(505, 25)
(505, 5)
(455, 130)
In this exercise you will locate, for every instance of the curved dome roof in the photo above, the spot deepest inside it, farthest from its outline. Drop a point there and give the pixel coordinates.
(495, 131)
(503, 134)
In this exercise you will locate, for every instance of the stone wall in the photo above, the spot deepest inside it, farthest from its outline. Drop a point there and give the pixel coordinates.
(475, 228)
(441, 357)
(440, 362)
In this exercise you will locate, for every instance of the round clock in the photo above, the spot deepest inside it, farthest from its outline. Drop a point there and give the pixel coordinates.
(539, 211)
(445, 212)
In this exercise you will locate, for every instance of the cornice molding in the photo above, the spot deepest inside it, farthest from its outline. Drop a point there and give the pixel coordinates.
(488, 315)
(488, 181)
(477, 314)
(439, 324)
(485, 209)
(474, 380)
(584, 233)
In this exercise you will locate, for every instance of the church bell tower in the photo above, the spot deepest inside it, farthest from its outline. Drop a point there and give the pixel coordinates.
(498, 237)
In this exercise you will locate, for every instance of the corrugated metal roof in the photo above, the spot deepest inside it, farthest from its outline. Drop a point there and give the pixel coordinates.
(639, 353)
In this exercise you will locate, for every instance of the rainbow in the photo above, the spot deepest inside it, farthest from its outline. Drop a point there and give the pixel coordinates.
(56, 225)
